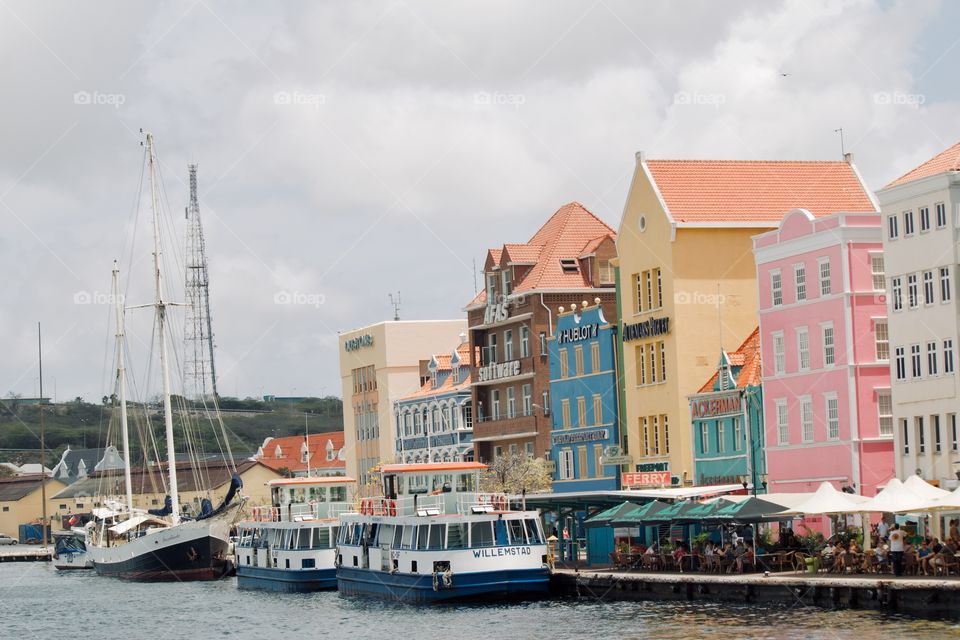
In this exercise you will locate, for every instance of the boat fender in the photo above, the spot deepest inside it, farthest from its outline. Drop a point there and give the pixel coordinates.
(447, 579)
(392, 507)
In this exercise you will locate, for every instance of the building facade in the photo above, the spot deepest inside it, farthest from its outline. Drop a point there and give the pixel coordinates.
(21, 503)
(727, 419)
(823, 329)
(687, 283)
(380, 364)
(567, 261)
(920, 221)
(435, 423)
(583, 399)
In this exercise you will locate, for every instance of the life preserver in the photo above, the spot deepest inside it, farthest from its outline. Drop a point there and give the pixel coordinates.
(256, 513)
(500, 503)
(392, 507)
(364, 505)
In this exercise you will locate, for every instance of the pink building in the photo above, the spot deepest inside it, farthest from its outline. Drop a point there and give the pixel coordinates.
(825, 352)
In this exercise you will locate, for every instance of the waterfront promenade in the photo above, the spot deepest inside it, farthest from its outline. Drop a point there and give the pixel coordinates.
(914, 595)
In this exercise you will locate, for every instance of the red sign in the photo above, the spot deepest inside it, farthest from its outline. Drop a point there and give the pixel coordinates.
(645, 478)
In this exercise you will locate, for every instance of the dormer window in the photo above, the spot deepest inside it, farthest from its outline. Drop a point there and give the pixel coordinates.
(277, 452)
(491, 286)
(331, 453)
(506, 281)
(569, 265)
(304, 452)
(606, 272)
(456, 373)
(82, 469)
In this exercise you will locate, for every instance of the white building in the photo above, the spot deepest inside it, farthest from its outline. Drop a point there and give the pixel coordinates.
(921, 217)
(379, 364)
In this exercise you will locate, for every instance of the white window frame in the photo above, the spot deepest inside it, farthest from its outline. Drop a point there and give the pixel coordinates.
(524, 341)
(913, 291)
(933, 361)
(511, 402)
(721, 436)
(885, 413)
(893, 227)
(776, 288)
(946, 291)
(900, 362)
(779, 353)
(495, 401)
(737, 433)
(829, 341)
(507, 345)
(526, 392)
(881, 339)
(929, 290)
(941, 214)
(565, 464)
(916, 362)
(806, 419)
(823, 271)
(908, 226)
(705, 437)
(896, 292)
(832, 414)
(800, 282)
(803, 349)
(924, 213)
(948, 356)
(877, 271)
(783, 421)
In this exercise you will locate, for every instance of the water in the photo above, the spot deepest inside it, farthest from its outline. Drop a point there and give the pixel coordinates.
(37, 602)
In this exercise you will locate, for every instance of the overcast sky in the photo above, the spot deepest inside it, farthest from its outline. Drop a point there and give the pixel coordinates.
(349, 150)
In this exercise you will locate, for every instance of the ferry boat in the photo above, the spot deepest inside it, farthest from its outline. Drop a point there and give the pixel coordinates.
(432, 536)
(291, 545)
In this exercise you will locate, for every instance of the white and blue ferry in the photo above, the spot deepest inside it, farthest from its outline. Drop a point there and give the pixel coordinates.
(433, 536)
(291, 545)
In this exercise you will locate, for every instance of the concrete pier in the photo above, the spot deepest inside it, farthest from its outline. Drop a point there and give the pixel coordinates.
(916, 596)
(24, 553)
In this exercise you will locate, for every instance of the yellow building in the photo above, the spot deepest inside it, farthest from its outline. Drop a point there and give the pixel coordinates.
(379, 364)
(687, 281)
(148, 493)
(20, 502)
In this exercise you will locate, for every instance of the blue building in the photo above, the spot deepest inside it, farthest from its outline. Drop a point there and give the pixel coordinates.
(435, 423)
(727, 419)
(583, 400)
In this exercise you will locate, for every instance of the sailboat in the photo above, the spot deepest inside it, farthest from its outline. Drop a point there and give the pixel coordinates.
(159, 544)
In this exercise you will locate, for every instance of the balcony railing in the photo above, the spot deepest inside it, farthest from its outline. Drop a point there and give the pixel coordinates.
(300, 512)
(463, 503)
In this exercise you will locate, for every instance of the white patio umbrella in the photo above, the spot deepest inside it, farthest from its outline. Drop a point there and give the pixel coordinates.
(827, 500)
(894, 498)
(949, 502)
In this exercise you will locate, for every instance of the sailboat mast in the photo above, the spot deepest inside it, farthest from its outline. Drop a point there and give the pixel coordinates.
(161, 309)
(122, 387)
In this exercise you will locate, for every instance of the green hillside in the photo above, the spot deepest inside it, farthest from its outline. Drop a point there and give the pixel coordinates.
(85, 425)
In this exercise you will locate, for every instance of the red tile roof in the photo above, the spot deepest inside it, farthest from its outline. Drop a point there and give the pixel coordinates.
(290, 452)
(747, 356)
(948, 160)
(521, 253)
(712, 191)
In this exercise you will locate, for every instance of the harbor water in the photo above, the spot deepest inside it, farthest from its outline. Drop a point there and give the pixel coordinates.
(38, 602)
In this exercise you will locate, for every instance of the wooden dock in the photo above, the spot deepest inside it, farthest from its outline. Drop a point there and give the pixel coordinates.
(917, 596)
(25, 553)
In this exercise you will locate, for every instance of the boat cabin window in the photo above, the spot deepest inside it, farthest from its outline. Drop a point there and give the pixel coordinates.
(457, 535)
(481, 534)
(398, 536)
(386, 535)
(423, 533)
(338, 493)
(409, 538)
(440, 480)
(334, 534)
(533, 531)
(466, 483)
(317, 494)
(437, 536)
(355, 534)
(517, 532)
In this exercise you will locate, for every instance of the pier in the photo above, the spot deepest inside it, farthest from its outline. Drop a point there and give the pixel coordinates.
(23, 553)
(915, 596)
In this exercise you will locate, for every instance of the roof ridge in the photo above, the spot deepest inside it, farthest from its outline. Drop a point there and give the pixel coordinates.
(954, 165)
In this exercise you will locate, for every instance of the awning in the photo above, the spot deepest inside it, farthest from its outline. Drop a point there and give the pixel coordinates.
(636, 517)
(603, 518)
(134, 522)
(753, 510)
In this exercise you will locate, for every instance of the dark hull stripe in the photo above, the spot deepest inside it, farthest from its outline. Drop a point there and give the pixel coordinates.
(203, 558)
(286, 580)
(419, 588)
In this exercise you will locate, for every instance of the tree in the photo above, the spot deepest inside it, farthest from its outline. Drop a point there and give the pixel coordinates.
(514, 474)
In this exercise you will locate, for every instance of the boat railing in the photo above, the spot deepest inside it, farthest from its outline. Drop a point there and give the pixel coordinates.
(300, 512)
(471, 503)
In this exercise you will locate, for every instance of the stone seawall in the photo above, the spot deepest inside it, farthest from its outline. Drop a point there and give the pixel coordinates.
(922, 597)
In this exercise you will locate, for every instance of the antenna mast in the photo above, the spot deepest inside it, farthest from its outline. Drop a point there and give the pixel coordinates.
(200, 374)
(396, 305)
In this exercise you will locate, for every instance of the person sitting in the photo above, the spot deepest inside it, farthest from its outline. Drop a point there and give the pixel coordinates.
(745, 556)
(929, 560)
(678, 555)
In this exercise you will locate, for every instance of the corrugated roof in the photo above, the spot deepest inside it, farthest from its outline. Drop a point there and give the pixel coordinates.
(148, 481)
(737, 191)
(747, 357)
(947, 160)
(15, 487)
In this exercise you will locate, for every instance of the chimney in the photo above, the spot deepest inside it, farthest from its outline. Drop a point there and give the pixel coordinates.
(463, 337)
(641, 156)
(848, 158)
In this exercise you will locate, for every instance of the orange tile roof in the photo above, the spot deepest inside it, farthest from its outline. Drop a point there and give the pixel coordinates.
(712, 191)
(747, 357)
(290, 452)
(947, 160)
(591, 247)
(521, 253)
(495, 254)
(433, 466)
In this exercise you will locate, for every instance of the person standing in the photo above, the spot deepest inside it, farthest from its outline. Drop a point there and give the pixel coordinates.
(883, 529)
(896, 549)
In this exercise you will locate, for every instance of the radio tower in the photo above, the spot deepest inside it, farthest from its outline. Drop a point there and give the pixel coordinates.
(200, 375)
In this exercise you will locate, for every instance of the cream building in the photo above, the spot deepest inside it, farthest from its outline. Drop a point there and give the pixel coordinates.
(20, 502)
(687, 281)
(380, 364)
(921, 216)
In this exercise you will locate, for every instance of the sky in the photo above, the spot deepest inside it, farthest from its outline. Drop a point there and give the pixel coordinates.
(348, 151)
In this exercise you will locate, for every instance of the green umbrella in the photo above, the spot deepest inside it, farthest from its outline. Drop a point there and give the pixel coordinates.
(636, 516)
(706, 512)
(753, 509)
(604, 518)
(674, 513)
